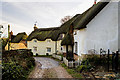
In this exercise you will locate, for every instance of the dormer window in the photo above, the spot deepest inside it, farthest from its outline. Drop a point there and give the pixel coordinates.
(75, 32)
(48, 41)
(35, 40)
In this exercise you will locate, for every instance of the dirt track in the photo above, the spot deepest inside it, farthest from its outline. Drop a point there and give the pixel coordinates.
(48, 68)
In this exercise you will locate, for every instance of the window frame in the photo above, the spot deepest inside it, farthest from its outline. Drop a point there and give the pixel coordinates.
(34, 48)
(49, 49)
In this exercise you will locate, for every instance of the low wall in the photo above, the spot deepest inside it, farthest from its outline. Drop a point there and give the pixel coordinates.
(65, 61)
(57, 57)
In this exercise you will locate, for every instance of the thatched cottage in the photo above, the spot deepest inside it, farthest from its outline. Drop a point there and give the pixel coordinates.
(17, 41)
(95, 30)
(45, 41)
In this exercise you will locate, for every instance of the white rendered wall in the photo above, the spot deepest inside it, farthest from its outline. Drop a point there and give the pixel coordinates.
(101, 32)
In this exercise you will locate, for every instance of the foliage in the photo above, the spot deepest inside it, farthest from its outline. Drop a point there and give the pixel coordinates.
(42, 55)
(17, 64)
(65, 19)
(85, 66)
(72, 71)
(12, 71)
(4, 42)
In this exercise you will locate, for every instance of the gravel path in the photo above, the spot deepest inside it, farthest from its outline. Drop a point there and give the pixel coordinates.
(48, 68)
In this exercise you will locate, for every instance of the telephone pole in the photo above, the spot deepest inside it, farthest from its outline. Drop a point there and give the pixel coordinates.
(8, 37)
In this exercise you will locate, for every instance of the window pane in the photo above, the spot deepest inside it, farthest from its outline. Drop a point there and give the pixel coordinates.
(48, 49)
(76, 47)
(35, 48)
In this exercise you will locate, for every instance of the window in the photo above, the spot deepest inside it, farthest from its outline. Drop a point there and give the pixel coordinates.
(61, 48)
(48, 41)
(48, 49)
(34, 48)
(76, 47)
(35, 40)
(75, 32)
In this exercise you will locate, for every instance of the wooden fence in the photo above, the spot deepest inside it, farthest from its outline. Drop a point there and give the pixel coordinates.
(71, 64)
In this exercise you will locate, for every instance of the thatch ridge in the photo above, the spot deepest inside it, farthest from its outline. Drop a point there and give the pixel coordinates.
(19, 37)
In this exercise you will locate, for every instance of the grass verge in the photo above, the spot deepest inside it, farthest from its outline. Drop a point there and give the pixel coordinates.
(72, 72)
(42, 56)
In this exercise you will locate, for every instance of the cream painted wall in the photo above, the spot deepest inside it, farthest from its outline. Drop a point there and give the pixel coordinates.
(42, 46)
(64, 49)
(59, 47)
(101, 32)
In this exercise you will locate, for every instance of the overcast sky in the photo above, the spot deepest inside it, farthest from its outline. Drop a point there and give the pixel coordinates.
(21, 14)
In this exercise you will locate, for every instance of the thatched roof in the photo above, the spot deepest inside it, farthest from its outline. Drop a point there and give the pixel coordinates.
(81, 20)
(67, 40)
(42, 34)
(65, 27)
(19, 37)
(88, 15)
(78, 21)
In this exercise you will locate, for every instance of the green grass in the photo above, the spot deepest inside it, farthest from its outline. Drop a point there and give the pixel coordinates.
(60, 55)
(42, 56)
(72, 72)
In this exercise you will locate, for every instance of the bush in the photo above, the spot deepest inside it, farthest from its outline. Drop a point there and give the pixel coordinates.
(17, 64)
(85, 66)
(12, 71)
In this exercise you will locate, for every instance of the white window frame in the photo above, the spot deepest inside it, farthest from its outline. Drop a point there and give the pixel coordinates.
(48, 49)
(34, 48)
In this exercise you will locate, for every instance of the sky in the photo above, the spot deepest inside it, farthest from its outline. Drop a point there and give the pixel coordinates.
(21, 15)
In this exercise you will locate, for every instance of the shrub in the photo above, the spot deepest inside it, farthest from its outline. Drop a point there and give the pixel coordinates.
(12, 71)
(85, 66)
(17, 64)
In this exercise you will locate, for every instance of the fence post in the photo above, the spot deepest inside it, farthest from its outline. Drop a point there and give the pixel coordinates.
(116, 61)
(113, 61)
(108, 59)
(100, 52)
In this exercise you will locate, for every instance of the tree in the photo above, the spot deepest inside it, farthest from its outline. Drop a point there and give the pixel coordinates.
(65, 19)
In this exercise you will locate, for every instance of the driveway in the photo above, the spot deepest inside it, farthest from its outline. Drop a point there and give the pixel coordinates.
(48, 68)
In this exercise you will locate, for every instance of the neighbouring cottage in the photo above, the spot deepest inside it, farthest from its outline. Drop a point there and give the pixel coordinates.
(45, 41)
(17, 41)
(68, 41)
(97, 29)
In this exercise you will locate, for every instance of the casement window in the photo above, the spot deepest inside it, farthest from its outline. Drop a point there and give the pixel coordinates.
(34, 48)
(76, 45)
(48, 49)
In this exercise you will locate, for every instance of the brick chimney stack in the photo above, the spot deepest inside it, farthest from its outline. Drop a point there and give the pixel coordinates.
(35, 26)
(11, 33)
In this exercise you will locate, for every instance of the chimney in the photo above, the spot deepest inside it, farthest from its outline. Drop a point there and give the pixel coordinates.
(35, 26)
(95, 1)
(11, 33)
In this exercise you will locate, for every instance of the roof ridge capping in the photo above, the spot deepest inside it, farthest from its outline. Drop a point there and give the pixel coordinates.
(89, 14)
(47, 29)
